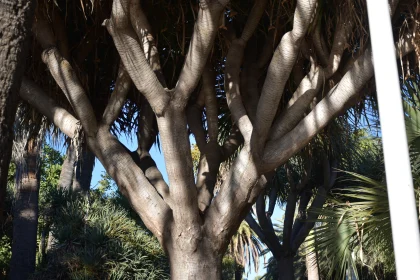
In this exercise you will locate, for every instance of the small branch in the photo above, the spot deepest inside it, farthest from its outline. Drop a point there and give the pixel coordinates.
(305, 197)
(205, 30)
(147, 132)
(211, 104)
(146, 163)
(272, 201)
(288, 219)
(341, 37)
(118, 97)
(194, 117)
(233, 95)
(405, 45)
(267, 227)
(256, 228)
(320, 45)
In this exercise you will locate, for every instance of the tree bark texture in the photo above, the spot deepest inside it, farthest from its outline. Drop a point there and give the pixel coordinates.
(15, 21)
(67, 168)
(25, 213)
(193, 225)
(202, 264)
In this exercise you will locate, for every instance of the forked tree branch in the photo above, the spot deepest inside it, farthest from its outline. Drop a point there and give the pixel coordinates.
(132, 183)
(267, 226)
(318, 202)
(312, 83)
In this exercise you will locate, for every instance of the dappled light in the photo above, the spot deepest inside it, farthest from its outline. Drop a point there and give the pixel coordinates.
(259, 112)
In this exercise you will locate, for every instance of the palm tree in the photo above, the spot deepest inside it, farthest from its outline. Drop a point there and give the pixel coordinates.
(27, 150)
(246, 249)
(354, 235)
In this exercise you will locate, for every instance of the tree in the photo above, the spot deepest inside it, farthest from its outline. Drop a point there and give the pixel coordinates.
(305, 64)
(302, 186)
(15, 20)
(355, 233)
(25, 208)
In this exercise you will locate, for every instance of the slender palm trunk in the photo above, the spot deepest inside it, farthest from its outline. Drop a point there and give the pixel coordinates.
(67, 168)
(25, 213)
(15, 19)
(84, 168)
(312, 266)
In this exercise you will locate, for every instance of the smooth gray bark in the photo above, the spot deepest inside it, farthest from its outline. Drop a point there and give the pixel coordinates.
(15, 20)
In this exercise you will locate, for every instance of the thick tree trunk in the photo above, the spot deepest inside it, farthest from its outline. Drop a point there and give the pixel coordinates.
(202, 264)
(84, 168)
(15, 19)
(25, 214)
(285, 268)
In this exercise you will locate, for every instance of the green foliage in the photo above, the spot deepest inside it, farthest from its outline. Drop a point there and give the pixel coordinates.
(195, 153)
(228, 268)
(96, 239)
(354, 231)
(5, 254)
(245, 247)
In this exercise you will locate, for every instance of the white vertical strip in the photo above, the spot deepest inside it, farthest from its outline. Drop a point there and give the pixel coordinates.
(405, 230)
